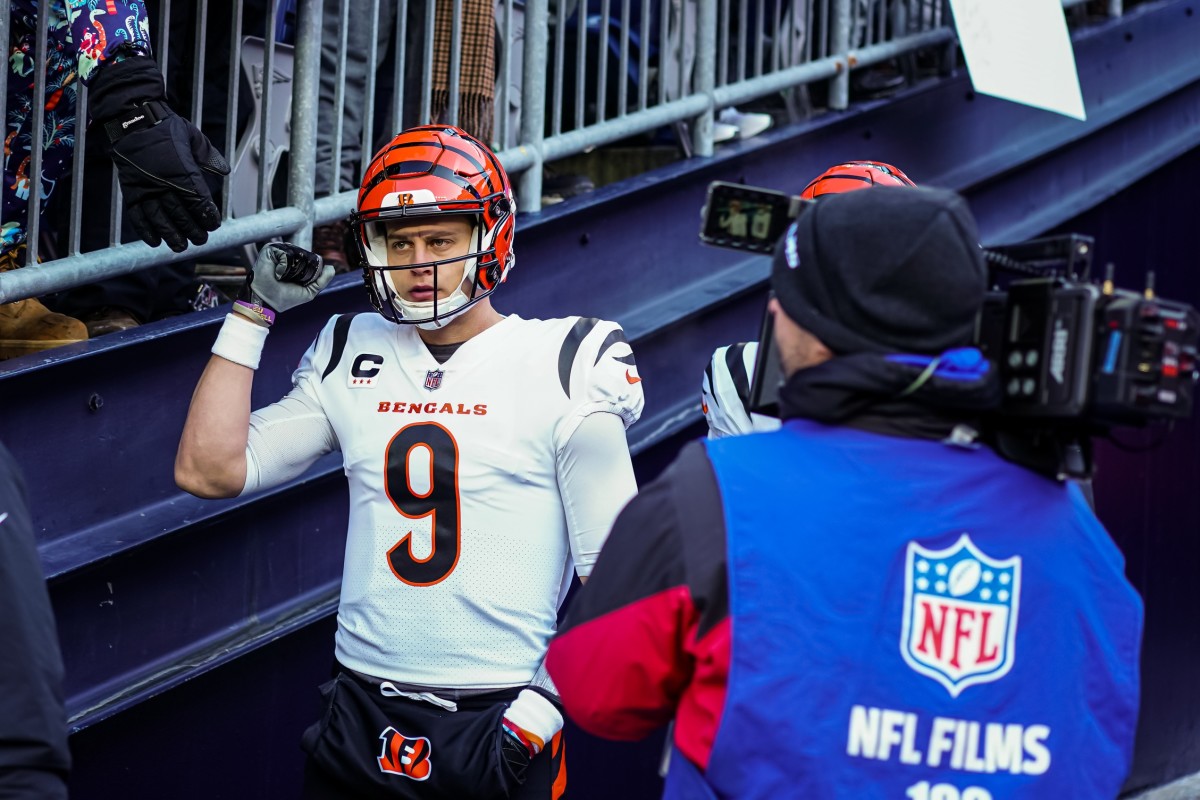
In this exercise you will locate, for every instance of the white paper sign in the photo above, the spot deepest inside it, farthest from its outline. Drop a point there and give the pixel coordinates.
(1020, 50)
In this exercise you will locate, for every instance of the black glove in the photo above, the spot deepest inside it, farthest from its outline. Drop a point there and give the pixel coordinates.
(516, 758)
(157, 153)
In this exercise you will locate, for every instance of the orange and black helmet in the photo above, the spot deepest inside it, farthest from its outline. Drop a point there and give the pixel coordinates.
(855, 175)
(428, 171)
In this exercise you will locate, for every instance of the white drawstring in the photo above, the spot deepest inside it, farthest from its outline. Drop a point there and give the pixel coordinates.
(388, 689)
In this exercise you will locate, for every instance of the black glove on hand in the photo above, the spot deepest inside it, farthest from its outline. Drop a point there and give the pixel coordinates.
(284, 276)
(516, 758)
(157, 153)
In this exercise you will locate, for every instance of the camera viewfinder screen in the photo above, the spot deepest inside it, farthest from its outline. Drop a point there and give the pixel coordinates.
(745, 218)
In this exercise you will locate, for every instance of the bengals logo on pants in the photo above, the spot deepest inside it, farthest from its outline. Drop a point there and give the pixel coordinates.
(404, 755)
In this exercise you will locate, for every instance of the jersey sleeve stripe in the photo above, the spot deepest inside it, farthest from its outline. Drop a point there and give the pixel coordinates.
(341, 332)
(712, 386)
(615, 336)
(737, 372)
(570, 348)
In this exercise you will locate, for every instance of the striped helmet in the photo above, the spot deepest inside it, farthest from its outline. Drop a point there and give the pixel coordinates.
(428, 171)
(855, 175)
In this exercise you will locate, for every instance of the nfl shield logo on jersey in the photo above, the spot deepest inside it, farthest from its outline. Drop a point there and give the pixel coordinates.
(960, 614)
(433, 379)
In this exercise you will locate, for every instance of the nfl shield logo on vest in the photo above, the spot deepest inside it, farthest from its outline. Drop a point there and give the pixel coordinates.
(433, 379)
(960, 614)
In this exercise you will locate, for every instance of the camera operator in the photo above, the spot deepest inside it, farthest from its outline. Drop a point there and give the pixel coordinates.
(725, 388)
(869, 602)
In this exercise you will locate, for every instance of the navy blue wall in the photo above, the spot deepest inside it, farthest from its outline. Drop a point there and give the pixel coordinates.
(1150, 501)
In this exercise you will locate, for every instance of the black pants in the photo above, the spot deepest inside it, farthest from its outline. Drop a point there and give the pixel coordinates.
(367, 745)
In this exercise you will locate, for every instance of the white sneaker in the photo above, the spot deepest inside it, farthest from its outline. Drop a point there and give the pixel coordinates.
(723, 132)
(747, 124)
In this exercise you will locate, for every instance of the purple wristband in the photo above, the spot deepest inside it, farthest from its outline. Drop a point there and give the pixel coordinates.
(255, 312)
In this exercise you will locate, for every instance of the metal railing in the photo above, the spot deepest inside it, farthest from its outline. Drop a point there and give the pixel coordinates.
(592, 72)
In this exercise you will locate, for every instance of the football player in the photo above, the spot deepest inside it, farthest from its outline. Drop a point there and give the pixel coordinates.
(486, 457)
(725, 389)
(725, 393)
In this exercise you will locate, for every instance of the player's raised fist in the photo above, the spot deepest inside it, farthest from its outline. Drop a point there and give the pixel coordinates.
(284, 276)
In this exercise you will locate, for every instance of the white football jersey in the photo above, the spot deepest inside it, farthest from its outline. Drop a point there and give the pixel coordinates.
(725, 393)
(457, 551)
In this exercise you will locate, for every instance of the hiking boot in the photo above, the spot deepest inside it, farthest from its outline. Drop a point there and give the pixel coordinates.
(329, 242)
(27, 326)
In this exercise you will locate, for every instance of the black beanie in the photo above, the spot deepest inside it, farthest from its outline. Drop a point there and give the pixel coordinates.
(885, 270)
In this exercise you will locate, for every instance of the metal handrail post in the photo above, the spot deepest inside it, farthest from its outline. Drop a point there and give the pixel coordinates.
(305, 91)
(367, 137)
(839, 87)
(4, 22)
(41, 52)
(456, 56)
(706, 76)
(533, 101)
(231, 107)
(426, 114)
(264, 128)
(337, 138)
(4, 72)
(502, 134)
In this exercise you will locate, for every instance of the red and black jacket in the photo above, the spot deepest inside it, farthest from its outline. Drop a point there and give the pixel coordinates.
(657, 606)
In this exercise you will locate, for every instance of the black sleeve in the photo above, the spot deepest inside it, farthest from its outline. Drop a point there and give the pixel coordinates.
(672, 533)
(624, 655)
(34, 758)
(702, 520)
(640, 558)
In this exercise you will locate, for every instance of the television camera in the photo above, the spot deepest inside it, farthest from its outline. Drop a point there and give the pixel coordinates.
(1075, 357)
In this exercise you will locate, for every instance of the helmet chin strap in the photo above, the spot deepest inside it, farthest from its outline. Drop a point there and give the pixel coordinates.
(448, 309)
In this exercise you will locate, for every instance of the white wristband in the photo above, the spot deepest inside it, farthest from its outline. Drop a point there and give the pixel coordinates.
(536, 716)
(240, 341)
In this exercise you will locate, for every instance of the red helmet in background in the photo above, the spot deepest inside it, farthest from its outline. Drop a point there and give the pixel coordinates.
(855, 175)
(430, 171)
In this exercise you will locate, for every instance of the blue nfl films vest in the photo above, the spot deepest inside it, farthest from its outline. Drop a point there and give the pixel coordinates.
(915, 621)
